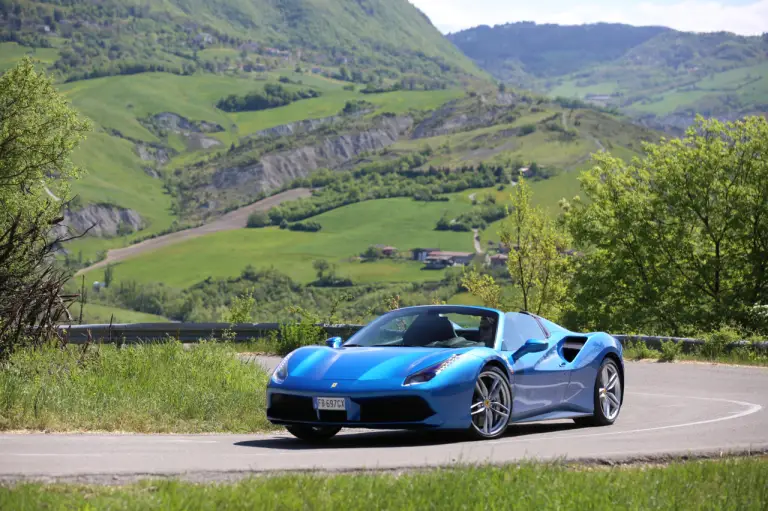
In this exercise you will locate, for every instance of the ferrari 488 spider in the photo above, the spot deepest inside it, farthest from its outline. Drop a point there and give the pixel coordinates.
(448, 367)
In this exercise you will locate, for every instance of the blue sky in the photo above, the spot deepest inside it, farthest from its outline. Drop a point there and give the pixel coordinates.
(747, 17)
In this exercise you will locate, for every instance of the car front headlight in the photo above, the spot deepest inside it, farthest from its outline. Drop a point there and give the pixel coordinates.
(281, 371)
(430, 372)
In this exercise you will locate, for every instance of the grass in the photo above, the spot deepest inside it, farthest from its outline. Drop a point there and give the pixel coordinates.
(159, 388)
(702, 485)
(11, 53)
(114, 171)
(347, 232)
(668, 353)
(668, 97)
(96, 313)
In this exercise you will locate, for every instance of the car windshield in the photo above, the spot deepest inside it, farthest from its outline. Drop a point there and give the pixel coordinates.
(438, 327)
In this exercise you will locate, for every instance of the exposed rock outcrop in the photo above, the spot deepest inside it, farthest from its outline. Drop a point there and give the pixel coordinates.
(451, 119)
(305, 126)
(148, 152)
(275, 169)
(177, 123)
(194, 131)
(106, 219)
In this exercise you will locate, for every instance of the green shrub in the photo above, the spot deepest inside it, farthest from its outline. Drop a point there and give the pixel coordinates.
(293, 336)
(670, 351)
(716, 343)
(526, 129)
(638, 350)
(258, 219)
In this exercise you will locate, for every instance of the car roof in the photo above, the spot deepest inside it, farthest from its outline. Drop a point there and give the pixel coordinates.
(450, 307)
(468, 308)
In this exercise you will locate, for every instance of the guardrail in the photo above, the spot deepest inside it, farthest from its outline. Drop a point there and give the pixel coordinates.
(193, 332)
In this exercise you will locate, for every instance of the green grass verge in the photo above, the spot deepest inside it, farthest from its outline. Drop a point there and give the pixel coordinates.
(713, 354)
(160, 388)
(703, 485)
(347, 232)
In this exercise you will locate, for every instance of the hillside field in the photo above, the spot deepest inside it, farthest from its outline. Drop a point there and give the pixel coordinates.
(347, 232)
(114, 170)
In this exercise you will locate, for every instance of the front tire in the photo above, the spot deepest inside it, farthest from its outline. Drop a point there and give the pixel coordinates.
(607, 396)
(491, 405)
(313, 434)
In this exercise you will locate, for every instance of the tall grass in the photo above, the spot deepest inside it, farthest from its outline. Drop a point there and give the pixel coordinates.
(715, 485)
(144, 388)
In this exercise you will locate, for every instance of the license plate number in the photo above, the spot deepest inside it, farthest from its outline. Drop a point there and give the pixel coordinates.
(331, 403)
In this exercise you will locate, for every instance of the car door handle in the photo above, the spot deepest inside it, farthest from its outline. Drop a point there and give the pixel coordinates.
(563, 364)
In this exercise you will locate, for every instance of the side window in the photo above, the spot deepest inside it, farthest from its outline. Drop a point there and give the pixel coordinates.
(518, 328)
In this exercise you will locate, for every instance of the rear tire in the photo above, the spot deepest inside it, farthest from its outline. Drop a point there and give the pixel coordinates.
(313, 434)
(607, 396)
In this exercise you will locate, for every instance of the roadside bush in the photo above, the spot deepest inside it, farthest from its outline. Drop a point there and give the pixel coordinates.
(293, 336)
(716, 343)
(526, 129)
(670, 351)
(638, 350)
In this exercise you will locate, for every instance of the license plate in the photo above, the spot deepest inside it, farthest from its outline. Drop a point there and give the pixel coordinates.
(331, 403)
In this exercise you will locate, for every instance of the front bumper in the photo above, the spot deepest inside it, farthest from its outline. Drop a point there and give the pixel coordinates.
(398, 408)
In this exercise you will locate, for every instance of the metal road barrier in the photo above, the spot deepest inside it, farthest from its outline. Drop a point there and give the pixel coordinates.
(133, 333)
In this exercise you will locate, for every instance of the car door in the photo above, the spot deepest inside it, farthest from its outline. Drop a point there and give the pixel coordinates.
(540, 379)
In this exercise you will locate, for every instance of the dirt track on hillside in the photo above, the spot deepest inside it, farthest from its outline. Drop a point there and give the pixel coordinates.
(233, 220)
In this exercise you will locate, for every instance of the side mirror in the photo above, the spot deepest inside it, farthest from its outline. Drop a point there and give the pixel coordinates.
(334, 342)
(531, 346)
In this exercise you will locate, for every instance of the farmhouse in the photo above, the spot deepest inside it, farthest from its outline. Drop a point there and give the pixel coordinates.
(386, 250)
(439, 259)
(498, 260)
(420, 254)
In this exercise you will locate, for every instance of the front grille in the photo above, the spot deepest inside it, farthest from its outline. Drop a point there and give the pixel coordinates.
(290, 407)
(332, 415)
(394, 409)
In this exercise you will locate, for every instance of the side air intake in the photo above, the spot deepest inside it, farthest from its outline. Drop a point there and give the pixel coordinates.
(572, 345)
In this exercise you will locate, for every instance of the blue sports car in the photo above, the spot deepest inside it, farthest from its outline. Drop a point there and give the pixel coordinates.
(452, 368)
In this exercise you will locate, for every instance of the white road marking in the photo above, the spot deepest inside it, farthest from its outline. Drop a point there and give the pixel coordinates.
(33, 454)
(750, 409)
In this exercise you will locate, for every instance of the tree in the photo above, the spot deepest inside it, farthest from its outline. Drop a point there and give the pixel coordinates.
(677, 241)
(538, 264)
(321, 266)
(38, 132)
(109, 274)
(258, 219)
(538, 260)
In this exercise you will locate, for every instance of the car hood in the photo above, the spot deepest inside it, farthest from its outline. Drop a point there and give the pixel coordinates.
(365, 363)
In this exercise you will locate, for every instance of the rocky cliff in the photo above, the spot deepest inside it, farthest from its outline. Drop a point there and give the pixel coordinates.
(104, 220)
(274, 170)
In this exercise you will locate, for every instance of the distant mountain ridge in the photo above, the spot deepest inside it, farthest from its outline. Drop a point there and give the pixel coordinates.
(644, 71)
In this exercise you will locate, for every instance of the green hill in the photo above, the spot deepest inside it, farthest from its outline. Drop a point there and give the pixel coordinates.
(202, 107)
(660, 75)
(370, 39)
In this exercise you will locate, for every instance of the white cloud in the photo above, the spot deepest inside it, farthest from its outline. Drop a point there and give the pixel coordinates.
(689, 15)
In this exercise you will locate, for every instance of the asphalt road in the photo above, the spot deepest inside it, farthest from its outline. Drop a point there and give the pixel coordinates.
(669, 410)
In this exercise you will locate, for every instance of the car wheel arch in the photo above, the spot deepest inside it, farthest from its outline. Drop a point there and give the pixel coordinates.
(493, 362)
(613, 356)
